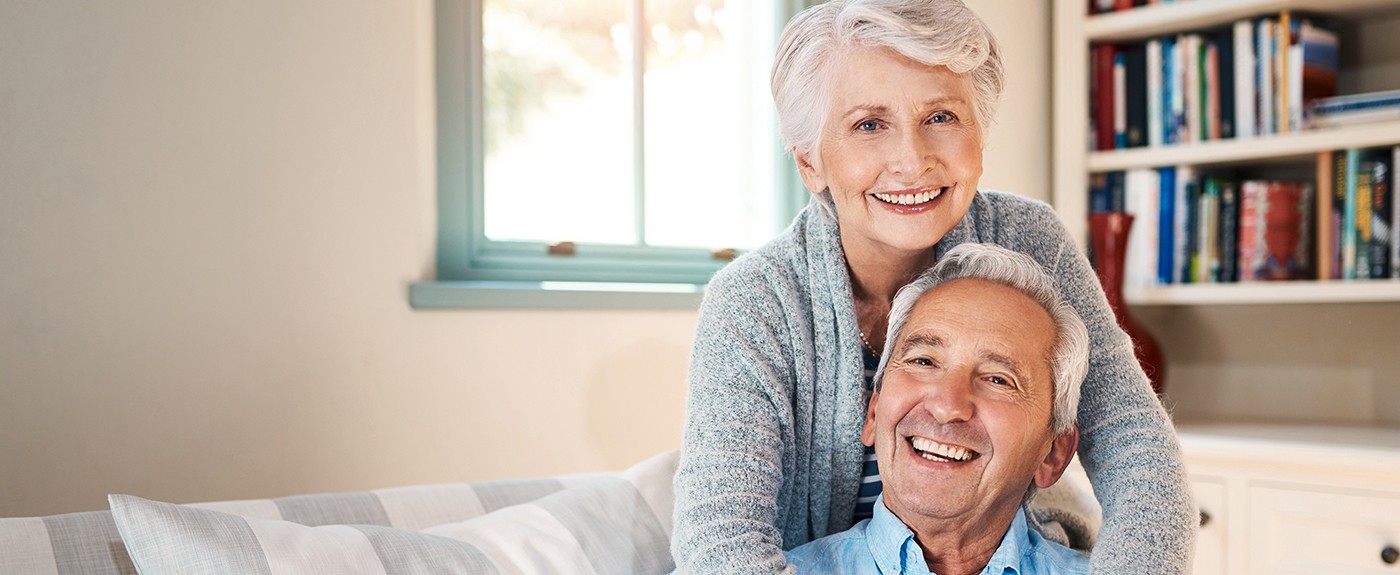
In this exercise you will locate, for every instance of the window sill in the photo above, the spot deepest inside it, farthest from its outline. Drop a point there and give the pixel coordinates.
(553, 295)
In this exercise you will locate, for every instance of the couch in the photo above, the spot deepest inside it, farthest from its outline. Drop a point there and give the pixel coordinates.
(595, 523)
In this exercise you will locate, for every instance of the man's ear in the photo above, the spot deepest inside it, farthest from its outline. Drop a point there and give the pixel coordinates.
(867, 434)
(1061, 452)
(811, 176)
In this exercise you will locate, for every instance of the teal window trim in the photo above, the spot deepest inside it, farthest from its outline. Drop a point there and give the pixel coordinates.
(483, 273)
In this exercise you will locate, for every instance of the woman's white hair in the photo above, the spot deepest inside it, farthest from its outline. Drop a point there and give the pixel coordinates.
(932, 32)
(1069, 355)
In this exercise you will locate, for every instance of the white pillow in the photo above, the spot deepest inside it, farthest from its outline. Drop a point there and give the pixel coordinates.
(613, 524)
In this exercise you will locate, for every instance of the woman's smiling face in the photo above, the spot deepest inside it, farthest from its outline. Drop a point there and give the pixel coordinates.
(901, 150)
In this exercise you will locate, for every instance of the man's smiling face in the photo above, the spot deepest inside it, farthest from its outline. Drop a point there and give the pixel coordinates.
(962, 422)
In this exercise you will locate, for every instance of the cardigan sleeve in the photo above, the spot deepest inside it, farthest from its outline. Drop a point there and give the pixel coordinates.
(737, 424)
(1127, 443)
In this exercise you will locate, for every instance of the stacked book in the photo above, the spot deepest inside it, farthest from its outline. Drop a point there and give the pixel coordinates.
(1257, 76)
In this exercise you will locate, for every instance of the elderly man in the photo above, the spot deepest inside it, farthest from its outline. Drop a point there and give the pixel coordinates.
(973, 410)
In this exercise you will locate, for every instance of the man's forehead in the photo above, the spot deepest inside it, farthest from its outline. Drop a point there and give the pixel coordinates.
(944, 311)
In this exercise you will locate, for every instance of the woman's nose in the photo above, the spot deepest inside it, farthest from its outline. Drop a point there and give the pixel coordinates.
(912, 156)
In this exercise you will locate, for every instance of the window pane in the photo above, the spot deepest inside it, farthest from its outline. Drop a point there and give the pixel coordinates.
(708, 123)
(559, 121)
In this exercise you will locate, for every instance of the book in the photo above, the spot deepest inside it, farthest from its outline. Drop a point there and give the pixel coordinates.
(1120, 101)
(1191, 57)
(1275, 230)
(1185, 185)
(1365, 172)
(1229, 232)
(1166, 225)
(1155, 93)
(1394, 213)
(1192, 258)
(1347, 231)
(1225, 82)
(1141, 200)
(1101, 86)
(1325, 178)
(1315, 64)
(1135, 88)
(1381, 200)
(1283, 42)
(1245, 89)
(1339, 195)
(1264, 76)
(1207, 268)
(1355, 109)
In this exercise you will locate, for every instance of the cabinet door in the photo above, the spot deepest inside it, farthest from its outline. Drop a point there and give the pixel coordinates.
(1210, 542)
(1315, 531)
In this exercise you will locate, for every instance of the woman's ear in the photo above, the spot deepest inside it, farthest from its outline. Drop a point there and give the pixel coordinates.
(1061, 452)
(810, 171)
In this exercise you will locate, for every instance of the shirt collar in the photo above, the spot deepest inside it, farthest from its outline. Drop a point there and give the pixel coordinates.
(896, 552)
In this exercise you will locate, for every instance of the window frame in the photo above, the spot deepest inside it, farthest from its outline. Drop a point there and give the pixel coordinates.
(464, 253)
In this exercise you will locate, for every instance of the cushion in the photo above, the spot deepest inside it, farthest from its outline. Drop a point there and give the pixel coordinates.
(610, 524)
(88, 543)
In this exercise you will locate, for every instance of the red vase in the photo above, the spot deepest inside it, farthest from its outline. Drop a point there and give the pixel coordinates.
(1108, 234)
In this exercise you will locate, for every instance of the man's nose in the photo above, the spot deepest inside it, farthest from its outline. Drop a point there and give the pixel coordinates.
(950, 400)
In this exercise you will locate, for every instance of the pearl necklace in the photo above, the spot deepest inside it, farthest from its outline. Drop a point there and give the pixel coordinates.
(866, 342)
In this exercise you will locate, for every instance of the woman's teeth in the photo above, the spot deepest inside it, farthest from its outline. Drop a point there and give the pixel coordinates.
(935, 451)
(909, 199)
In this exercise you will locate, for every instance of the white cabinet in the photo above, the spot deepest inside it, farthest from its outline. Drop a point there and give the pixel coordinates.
(1290, 499)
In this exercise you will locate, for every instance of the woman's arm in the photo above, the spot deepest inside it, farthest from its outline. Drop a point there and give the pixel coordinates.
(1127, 443)
(738, 422)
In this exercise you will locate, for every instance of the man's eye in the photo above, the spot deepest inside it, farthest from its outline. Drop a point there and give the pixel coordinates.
(924, 361)
(999, 380)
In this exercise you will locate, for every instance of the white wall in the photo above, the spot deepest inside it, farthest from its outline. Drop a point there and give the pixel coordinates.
(209, 216)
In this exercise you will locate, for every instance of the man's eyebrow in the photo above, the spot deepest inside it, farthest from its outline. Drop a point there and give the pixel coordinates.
(1011, 364)
(921, 339)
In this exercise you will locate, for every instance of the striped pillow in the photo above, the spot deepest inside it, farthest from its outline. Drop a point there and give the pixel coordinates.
(615, 524)
(89, 543)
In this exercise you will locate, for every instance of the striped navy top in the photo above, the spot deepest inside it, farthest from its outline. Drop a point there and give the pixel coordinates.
(870, 472)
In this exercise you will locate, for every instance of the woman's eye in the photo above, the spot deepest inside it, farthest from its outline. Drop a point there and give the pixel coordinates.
(868, 126)
(941, 118)
(924, 361)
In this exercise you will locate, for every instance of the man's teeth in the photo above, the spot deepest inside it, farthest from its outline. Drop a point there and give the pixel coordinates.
(935, 451)
(909, 199)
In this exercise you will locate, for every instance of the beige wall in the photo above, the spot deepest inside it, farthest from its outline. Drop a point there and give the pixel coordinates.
(209, 216)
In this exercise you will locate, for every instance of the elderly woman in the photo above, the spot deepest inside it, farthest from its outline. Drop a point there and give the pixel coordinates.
(884, 104)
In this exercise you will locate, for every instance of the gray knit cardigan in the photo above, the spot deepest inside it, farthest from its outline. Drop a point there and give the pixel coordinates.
(771, 456)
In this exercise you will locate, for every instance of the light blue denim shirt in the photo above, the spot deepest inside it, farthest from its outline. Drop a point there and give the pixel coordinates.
(883, 545)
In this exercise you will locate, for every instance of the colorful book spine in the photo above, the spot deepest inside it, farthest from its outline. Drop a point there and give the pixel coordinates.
(1251, 231)
(1155, 93)
(1245, 90)
(1348, 219)
(1207, 269)
(1229, 232)
(1325, 178)
(1381, 200)
(1394, 213)
(1365, 172)
(1166, 226)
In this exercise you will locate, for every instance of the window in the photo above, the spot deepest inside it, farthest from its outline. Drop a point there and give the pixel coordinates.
(607, 140)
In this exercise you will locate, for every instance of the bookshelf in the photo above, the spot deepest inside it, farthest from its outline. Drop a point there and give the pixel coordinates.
(1074, 163)
(1286, 394)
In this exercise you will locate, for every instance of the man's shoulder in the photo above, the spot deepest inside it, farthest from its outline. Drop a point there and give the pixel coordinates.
(1046, 557)
(835, 553)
